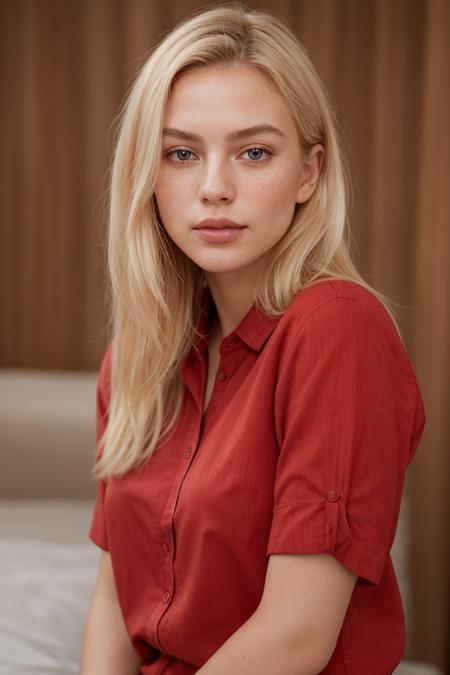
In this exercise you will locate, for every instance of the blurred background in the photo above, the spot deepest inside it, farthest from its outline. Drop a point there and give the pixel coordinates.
(66, 66)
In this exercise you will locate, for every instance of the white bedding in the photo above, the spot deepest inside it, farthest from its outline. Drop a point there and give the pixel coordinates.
(45, 590)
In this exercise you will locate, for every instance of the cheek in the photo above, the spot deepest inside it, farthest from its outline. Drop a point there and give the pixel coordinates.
(277, 196)
(165, 188)
(172, 192)
(276, 203)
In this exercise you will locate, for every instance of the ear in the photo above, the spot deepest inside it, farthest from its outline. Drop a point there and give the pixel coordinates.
(312, 165)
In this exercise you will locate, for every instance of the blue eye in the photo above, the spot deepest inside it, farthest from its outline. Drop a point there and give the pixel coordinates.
(258, 150)
(180, 150)
(183, 154)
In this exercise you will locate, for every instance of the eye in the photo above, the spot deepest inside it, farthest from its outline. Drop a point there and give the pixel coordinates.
(181, 154)
(258, 150)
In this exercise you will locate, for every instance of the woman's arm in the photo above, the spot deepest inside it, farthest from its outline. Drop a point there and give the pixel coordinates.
(107, 648)
(295, 628)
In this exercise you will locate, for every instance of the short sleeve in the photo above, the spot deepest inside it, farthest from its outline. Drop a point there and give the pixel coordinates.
(98, 530)
(345, 408)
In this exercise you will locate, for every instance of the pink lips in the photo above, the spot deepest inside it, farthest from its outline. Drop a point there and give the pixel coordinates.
(218, 230)
(216, 223)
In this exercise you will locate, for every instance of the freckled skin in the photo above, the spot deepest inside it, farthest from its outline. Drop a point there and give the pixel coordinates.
(232, 179)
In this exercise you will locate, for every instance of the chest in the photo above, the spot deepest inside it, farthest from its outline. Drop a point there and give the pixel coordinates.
(207, 475)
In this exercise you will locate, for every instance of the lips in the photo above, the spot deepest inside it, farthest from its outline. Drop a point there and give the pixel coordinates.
(218, 224)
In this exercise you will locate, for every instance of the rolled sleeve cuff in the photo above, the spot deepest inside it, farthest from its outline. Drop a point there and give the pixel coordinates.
(324, 527)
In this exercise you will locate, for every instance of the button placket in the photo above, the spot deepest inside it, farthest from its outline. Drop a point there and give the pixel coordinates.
(167, 542)
(167, 563)
(221, 376)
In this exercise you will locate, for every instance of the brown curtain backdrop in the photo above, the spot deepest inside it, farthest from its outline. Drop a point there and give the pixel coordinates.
(66, 67)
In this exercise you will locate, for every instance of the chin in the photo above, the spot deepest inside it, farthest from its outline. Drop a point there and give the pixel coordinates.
(222, 267)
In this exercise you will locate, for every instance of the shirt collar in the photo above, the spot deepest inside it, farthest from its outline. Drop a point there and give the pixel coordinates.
(254, 329)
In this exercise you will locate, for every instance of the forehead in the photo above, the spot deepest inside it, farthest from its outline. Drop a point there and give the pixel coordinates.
(225, 95)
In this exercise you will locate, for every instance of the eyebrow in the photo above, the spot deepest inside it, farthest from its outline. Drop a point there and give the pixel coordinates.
(233, 136)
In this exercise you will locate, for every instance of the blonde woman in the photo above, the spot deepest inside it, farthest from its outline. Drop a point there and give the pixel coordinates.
(256, 408)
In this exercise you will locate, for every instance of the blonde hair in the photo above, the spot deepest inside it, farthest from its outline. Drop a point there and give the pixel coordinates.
(155, 289)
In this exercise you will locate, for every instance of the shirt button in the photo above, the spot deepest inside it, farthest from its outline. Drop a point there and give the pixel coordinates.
(188, 452)
(165, 548)
(333, 495)
(221, 376)
(166, 596)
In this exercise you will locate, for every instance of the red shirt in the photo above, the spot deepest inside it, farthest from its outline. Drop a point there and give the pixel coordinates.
(313, 420)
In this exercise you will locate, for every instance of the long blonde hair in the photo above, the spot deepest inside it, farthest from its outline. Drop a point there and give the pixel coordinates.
(155, 289)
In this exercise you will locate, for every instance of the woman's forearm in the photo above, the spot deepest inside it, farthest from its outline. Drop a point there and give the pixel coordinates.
(107, 648)
(261, 645)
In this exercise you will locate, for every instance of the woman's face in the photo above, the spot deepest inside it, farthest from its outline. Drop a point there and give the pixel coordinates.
(209, 170)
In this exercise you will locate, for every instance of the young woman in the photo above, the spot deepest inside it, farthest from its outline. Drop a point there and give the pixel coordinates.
(256, 408)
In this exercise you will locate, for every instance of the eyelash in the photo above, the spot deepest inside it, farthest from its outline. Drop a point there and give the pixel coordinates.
(258, 161)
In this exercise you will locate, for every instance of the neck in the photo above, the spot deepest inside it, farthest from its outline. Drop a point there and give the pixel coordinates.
(232, 298)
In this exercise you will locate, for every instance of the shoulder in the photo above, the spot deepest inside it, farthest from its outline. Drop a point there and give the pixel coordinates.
(341, 316)
(337, 300)
(333, 308)
(341, 321)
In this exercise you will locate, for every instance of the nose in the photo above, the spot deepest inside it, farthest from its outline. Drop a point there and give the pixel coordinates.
(216, 183)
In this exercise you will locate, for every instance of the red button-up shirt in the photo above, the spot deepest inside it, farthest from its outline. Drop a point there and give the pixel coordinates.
(303, 448)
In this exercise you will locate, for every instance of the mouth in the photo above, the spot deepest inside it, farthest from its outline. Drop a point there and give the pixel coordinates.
(218, 224)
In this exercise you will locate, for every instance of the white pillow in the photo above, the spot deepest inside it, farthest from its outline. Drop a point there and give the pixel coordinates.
(45, 593)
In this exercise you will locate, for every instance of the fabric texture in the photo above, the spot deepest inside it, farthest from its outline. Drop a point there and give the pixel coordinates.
(303, 448)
